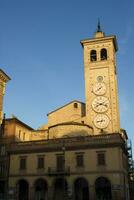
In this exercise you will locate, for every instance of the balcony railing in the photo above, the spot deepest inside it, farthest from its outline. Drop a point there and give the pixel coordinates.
(56, 172)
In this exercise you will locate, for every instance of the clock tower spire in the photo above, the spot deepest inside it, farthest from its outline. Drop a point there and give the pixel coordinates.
(101, 92)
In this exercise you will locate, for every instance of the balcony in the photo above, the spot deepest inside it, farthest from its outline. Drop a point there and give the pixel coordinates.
(53, 171)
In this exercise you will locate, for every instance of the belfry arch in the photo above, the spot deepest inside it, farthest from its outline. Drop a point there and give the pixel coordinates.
(103, 54)
(93, 55)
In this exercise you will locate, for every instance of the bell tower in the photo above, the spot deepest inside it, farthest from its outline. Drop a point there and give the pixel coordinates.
(102, 111)
(4, 78)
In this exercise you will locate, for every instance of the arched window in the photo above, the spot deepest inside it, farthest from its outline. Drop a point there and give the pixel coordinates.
(103, 54)
(93, 56)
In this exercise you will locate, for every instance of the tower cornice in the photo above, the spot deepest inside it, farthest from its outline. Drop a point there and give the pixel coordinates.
(106, 38)
(4, 77)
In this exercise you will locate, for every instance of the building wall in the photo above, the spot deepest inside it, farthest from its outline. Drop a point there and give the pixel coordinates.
(67, 113)
(15, 130)
(69, 130)
(113, 160)
(113, 170)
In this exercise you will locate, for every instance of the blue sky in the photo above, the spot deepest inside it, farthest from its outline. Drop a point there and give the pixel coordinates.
(40, 50)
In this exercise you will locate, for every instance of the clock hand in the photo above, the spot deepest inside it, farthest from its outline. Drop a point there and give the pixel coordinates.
(100, 104)
(102, 120)
(104, 103)
(99, 88)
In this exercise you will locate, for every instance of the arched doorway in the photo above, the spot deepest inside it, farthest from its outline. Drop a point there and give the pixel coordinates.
(103, 189)
(60, 189)
(23, 190)
(41, 189)
(81, 189)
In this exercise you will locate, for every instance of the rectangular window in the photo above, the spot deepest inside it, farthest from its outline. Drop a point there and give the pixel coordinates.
(2, 169)
(79, 160)
(101, 158)
(23, 163)
(19, 134)
(40, 162)
(2, 150)
(60, 162)
(75, 105)
(24, 136)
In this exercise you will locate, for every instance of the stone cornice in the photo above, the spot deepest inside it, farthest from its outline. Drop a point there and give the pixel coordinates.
(72, 143)
(4, 77)
(70, 123)
(45, 173)
(95, 40)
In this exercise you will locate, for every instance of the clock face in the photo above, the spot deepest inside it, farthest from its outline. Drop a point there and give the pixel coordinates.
(99, 88)
(101, 121)
(100, 104)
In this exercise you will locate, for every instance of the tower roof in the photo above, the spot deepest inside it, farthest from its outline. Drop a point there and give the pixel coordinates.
(99, 33)
(99, 36)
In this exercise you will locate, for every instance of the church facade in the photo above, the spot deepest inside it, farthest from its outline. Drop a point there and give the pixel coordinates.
(81, 153)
